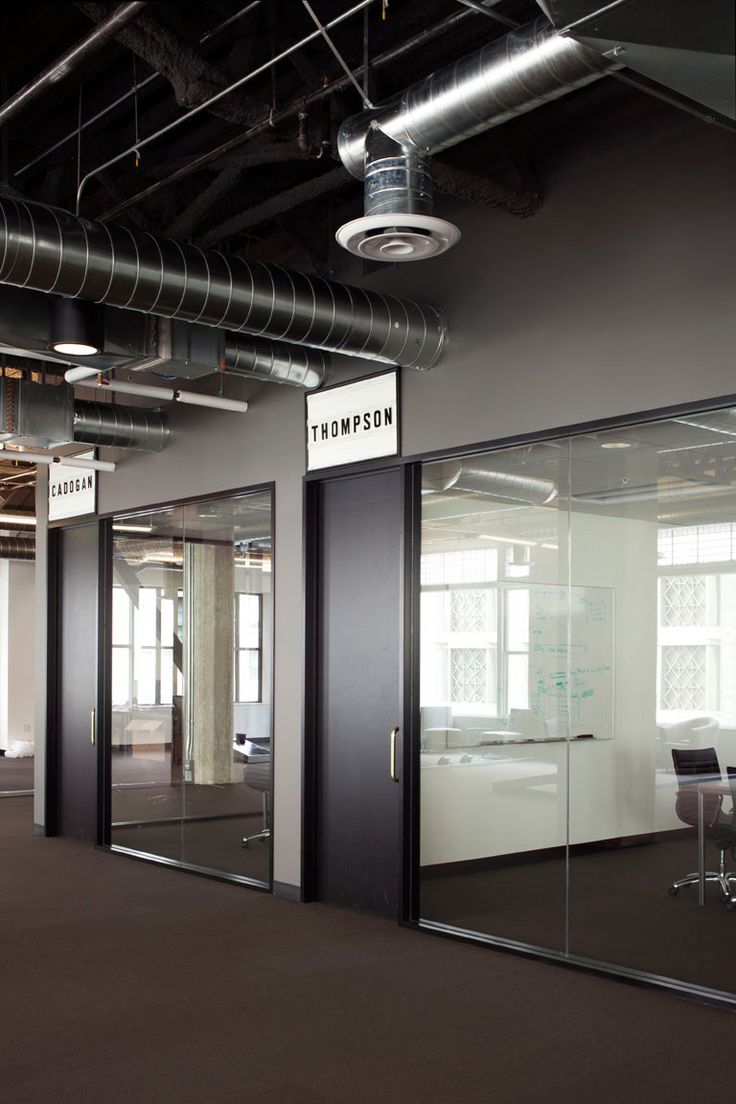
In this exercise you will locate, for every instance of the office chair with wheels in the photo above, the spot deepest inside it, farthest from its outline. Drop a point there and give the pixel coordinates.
(693, 765)
(258, 776)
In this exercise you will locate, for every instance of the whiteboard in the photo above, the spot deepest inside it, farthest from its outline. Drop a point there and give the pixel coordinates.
(571, 678)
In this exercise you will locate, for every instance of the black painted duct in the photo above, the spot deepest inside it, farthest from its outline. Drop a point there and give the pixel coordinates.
(130, 427)
(17, 548)
(53, 251)
(274, 361)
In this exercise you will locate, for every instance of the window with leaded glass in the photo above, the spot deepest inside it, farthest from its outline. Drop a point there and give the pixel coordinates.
(683, 677)
(469, 680)
(684, 600)
(469, 611)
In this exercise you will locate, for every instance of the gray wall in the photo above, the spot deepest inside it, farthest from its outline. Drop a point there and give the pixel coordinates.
(617, 298)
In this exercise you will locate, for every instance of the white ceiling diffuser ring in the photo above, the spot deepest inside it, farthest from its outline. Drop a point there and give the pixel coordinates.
(404, 237)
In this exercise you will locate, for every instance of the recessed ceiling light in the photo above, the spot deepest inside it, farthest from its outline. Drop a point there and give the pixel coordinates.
(74, 348)
(75, 327)
(616, 444)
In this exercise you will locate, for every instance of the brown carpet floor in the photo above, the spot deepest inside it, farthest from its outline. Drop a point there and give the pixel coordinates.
(620, 910)
(16, 774)
(132, 984)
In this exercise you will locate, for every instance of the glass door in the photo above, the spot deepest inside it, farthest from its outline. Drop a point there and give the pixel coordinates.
(494, 725)
(192, 645)
(578, 698)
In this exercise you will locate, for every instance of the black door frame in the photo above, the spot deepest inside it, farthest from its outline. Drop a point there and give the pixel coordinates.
(409, 777)
(53, 667)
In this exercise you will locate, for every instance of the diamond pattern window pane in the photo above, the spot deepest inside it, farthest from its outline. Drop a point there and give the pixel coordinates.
(683, 600)
(468, 611)
(683, 677)
(469, 675)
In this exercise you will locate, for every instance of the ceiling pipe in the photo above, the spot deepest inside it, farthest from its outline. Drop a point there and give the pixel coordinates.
(167, 394)
(54, 251)
(452, 475)
(510, 76)
(274, 361)
(17, 548)
(26, 456)
(116, 426)
(64, 65)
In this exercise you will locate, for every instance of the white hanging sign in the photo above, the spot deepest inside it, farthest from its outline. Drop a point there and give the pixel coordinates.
(72, 491)
(355, 421)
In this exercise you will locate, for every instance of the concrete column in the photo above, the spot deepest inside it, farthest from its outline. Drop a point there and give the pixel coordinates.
(208, 662)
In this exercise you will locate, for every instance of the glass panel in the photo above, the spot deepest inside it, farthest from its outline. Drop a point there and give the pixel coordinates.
(191, 756)
(653, 513)
(493, 708)
(146, 754)
(248, 676)
(249, 620)
(121, 613)
(121, 695)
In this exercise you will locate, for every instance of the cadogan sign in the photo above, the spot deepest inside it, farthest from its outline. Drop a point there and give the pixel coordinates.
(352, 422)
(72, 491)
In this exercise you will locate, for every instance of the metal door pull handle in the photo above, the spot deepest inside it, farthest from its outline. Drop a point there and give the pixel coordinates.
(392, 761)
(93, 727)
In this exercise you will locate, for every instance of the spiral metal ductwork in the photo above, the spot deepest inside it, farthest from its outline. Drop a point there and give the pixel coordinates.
(502, 486)
(121, 426)
(508, 77)
(54, 251)
(275, 361)
(17, 548)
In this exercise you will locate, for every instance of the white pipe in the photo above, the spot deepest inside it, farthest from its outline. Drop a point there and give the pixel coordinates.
(65, 461)
(81, 372)
(193, 398)
(166, 394)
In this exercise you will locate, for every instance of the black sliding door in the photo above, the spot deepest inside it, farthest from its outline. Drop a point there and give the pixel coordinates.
(358, 634)
(76, 791)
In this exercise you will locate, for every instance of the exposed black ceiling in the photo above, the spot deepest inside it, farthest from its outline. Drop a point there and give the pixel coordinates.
(246, 173)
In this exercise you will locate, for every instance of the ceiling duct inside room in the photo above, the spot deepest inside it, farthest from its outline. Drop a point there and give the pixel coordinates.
(54, 251)
(390, 147)
(469, 477)
(17, 548)
(34, 415)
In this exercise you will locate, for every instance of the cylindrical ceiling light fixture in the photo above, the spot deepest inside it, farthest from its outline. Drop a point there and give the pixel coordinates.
(76, 327)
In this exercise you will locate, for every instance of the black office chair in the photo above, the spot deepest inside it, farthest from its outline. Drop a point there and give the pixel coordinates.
(258, 776)
(693, 765)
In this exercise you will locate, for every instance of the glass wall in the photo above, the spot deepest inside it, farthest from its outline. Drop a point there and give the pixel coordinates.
(578, 627)
(192, 633)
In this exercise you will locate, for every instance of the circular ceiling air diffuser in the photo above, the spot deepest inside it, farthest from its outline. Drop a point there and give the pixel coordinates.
(402, 237)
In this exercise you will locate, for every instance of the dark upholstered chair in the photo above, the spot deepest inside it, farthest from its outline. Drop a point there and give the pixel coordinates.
(693, 765)
(258, 776)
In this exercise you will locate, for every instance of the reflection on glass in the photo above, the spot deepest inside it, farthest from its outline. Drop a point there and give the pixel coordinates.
(493, 726)
(191, 686)
(566, 734)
